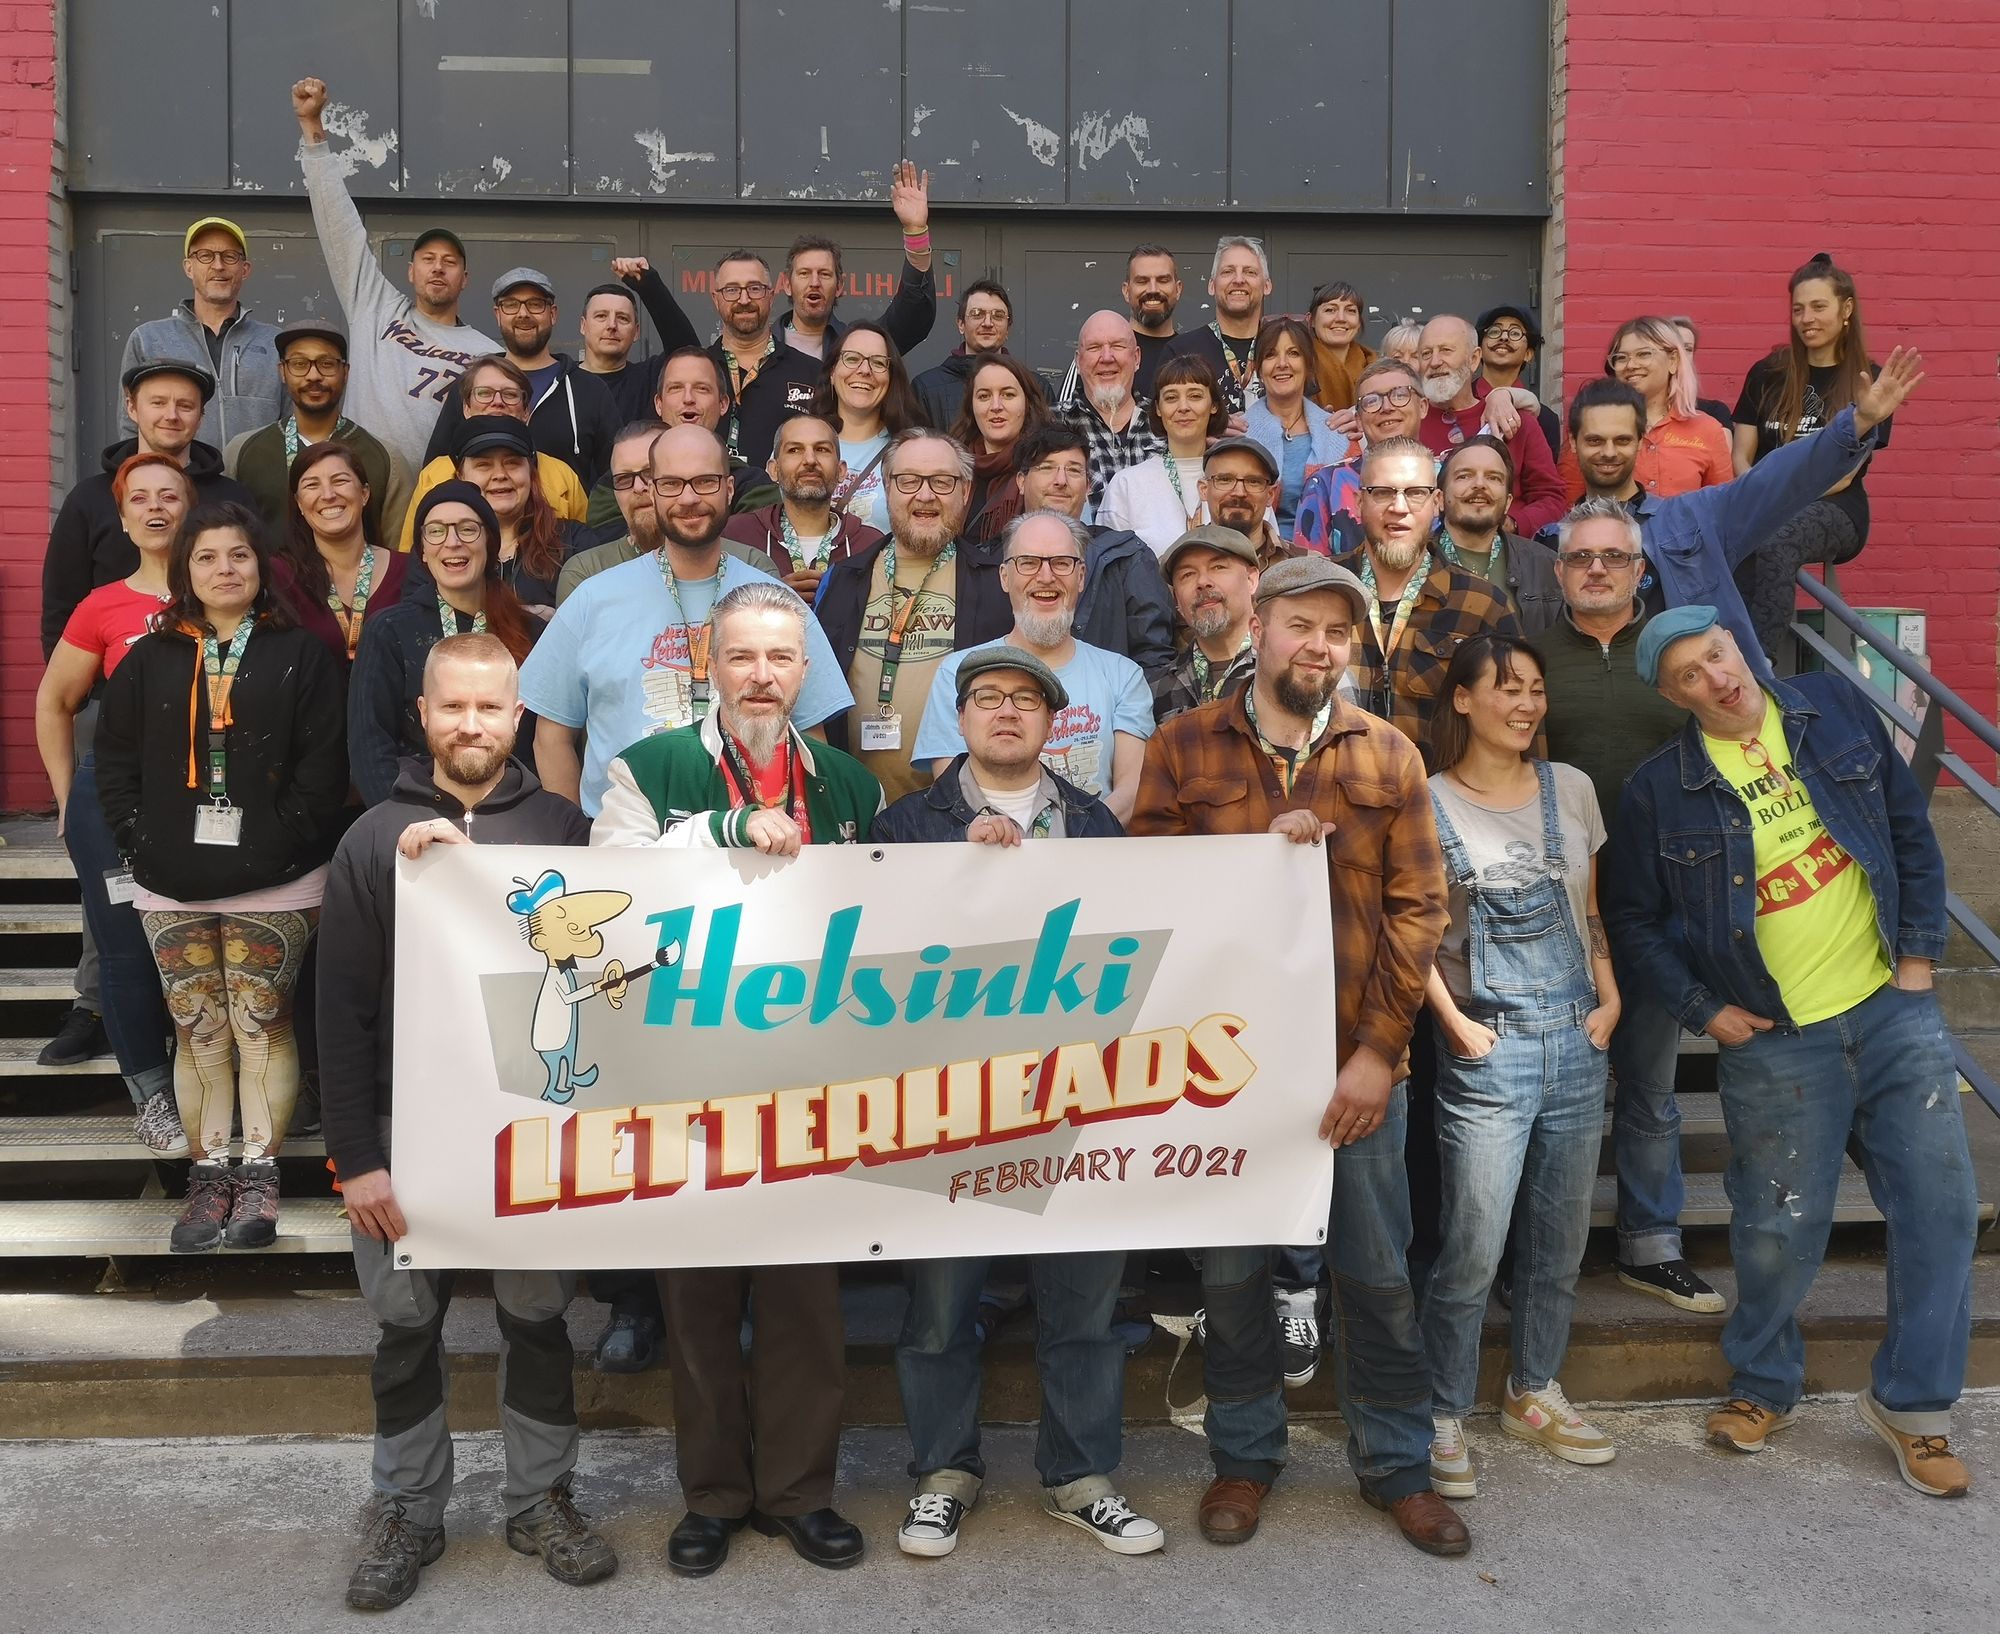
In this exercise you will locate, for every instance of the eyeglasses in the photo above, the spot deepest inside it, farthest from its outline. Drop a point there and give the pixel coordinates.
(626, 481)
(1225, 484)
(939, 482)
(469, 532)
(980, 314)
(1758, 758)
(1504, 331)
(1395, 397)
(218, 258)
(325, 367)
(1613, 559)
(1030, 567)
(1411, 497)
(1645, 354)
(535, 306)
(674, 487)
(737, 292)
(506, 396)
(1052, 468)
(1026, 699)
(863, 360)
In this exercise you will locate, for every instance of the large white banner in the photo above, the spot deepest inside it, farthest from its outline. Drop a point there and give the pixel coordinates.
(612, 1058)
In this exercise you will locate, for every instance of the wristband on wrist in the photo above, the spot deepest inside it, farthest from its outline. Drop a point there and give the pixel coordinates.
(917, 246)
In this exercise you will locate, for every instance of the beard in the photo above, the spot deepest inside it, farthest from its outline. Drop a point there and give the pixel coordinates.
(924, 537)
(645, 530)
(1108, 400)
(470, 764)
(1476, 518)
(1442, 392)
(692, 532)
(1209, 620)
(1299, 696)
(1398, 558)
(760, 735)
(807, 490)
(1046, 629)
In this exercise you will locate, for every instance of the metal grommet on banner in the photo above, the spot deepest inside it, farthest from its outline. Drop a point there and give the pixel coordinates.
(875, 856)
(875, 1250)
(402, 1259)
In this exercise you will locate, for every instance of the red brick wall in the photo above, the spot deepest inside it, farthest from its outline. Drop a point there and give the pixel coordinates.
(27, 305)
(1712, 146)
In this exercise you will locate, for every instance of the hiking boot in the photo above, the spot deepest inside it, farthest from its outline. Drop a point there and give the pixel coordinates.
(1298, 1349)
(1545, 1417)
(1114, 1523)
(211, 1190)
(80, 1038)
(1452, 1471)
(392, 1557)
(253, 1214)
(1927, 1461)
(1743, 1426)
(159, 1126)
(560, 1533)
(1672, 1281)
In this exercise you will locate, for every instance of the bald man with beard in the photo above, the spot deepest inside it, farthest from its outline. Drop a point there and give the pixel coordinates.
(1105, 407)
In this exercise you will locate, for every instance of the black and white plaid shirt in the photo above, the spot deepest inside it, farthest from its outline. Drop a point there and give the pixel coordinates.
(1111, 451)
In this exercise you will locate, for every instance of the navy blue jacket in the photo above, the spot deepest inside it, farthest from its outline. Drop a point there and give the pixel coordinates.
(941, 812)
(1681, 908)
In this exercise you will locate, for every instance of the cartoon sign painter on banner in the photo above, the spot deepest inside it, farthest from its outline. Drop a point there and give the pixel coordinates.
(563, 926)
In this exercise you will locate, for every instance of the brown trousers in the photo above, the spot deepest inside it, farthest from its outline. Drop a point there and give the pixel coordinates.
(765, 1434)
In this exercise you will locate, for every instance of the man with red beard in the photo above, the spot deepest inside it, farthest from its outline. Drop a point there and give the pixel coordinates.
(1419, 607)
(1306, 764)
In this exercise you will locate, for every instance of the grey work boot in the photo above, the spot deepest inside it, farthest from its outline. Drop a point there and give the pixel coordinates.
(395, 1551)
(560, 1533)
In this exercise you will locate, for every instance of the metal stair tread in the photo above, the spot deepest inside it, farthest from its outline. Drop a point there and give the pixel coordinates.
(30, 849)
(40, 918)
(37, 983)
(309, 1225)
(97, 1138)
(17, 1060)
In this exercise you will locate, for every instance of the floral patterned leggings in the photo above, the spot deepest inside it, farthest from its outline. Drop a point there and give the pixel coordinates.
(228, 979)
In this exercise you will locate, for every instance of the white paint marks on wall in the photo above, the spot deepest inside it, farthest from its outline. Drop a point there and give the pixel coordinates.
(918, 115)
(427, 8)
(1045, 144)
(1096, 134)
(499, 169)
(350, 124)
(661, 161)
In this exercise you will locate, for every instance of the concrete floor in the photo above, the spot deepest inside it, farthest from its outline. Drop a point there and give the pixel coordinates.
(1816, 1535)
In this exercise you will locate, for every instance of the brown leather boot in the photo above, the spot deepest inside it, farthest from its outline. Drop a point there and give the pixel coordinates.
(1426, 1520)
(1230, 1509)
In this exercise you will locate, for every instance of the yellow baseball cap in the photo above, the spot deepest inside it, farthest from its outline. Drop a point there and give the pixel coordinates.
(206, 222)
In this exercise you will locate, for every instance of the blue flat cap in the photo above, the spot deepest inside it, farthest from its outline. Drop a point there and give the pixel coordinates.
(1664, 629)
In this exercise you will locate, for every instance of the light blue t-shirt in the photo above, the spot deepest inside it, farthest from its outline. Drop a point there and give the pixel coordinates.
(614, 661)
(869, 500)
(1107, 694)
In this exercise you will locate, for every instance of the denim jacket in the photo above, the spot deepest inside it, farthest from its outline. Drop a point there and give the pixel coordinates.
(943, 811)
(1681, 909)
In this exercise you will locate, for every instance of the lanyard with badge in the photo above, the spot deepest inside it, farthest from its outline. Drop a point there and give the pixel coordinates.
(218, 822)
(349, 618)
(885, 730)
(804, 561)
(746, 782)
(698, 692)
(1208, 683)
(448, 620)
(1384, 689)
(738, 380)
(1238, 366)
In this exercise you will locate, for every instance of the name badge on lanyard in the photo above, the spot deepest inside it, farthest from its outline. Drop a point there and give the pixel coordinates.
(218, 825)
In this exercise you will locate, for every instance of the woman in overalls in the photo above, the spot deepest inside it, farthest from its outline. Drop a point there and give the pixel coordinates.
(1523, 1000)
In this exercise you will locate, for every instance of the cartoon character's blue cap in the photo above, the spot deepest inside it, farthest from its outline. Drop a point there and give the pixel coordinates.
(530, 897)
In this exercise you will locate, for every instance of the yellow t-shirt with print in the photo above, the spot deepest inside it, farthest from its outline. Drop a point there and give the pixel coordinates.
(1815, 914)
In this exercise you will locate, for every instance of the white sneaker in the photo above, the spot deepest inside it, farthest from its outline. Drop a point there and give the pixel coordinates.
(1114, 1524)
(159, 1126)
(931, 1526)
(1545, 1417)
(1452, 1472)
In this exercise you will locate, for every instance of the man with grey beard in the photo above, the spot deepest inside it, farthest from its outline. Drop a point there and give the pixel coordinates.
(1098, 740)
(1448, 359)
(1104, 406)
(1211, 572)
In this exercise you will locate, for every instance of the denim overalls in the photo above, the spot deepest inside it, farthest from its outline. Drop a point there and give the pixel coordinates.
(1526, 1118)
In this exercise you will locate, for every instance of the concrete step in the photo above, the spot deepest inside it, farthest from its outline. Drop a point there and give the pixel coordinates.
(140, 1227)
(17, 1060)
(38, 985)
(98, 1139)
(41, 919)
(29, 849)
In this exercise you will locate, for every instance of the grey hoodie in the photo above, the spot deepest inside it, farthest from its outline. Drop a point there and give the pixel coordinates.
(404, 366)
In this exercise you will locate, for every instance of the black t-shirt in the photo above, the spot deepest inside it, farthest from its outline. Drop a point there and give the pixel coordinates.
(1205, 344)
(1151, 349)
(1757, 405)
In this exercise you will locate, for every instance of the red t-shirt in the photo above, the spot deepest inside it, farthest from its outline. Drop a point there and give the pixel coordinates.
(108, 620)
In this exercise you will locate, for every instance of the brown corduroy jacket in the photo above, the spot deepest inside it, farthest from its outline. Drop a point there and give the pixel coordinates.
(1205, 773)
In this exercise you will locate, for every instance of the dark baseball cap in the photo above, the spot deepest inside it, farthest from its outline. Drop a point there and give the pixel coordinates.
(311, 328)
(523, 278)
(484, 433)
(1243, 445)
(986, 660)
(432, 235)
(146, 368)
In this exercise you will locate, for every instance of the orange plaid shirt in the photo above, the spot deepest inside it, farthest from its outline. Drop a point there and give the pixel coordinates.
(1205, 773)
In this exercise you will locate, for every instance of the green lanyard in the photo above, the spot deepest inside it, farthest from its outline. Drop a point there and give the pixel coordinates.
(697, 654)
(1238, 367)
(737, 381)
(350, 621)
(290, 427)
(448, 620)
(899, 617)
(221, 669)
(1205, 689)
(1285, 761)
(1180, 493)
(800, 560)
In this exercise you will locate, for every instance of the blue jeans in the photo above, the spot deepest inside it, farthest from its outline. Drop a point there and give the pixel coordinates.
(1379, 1373)
(1524, 1120)
(1646, 1132)
(1884, 1071)
(135, 1009)
(1080, 1362)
